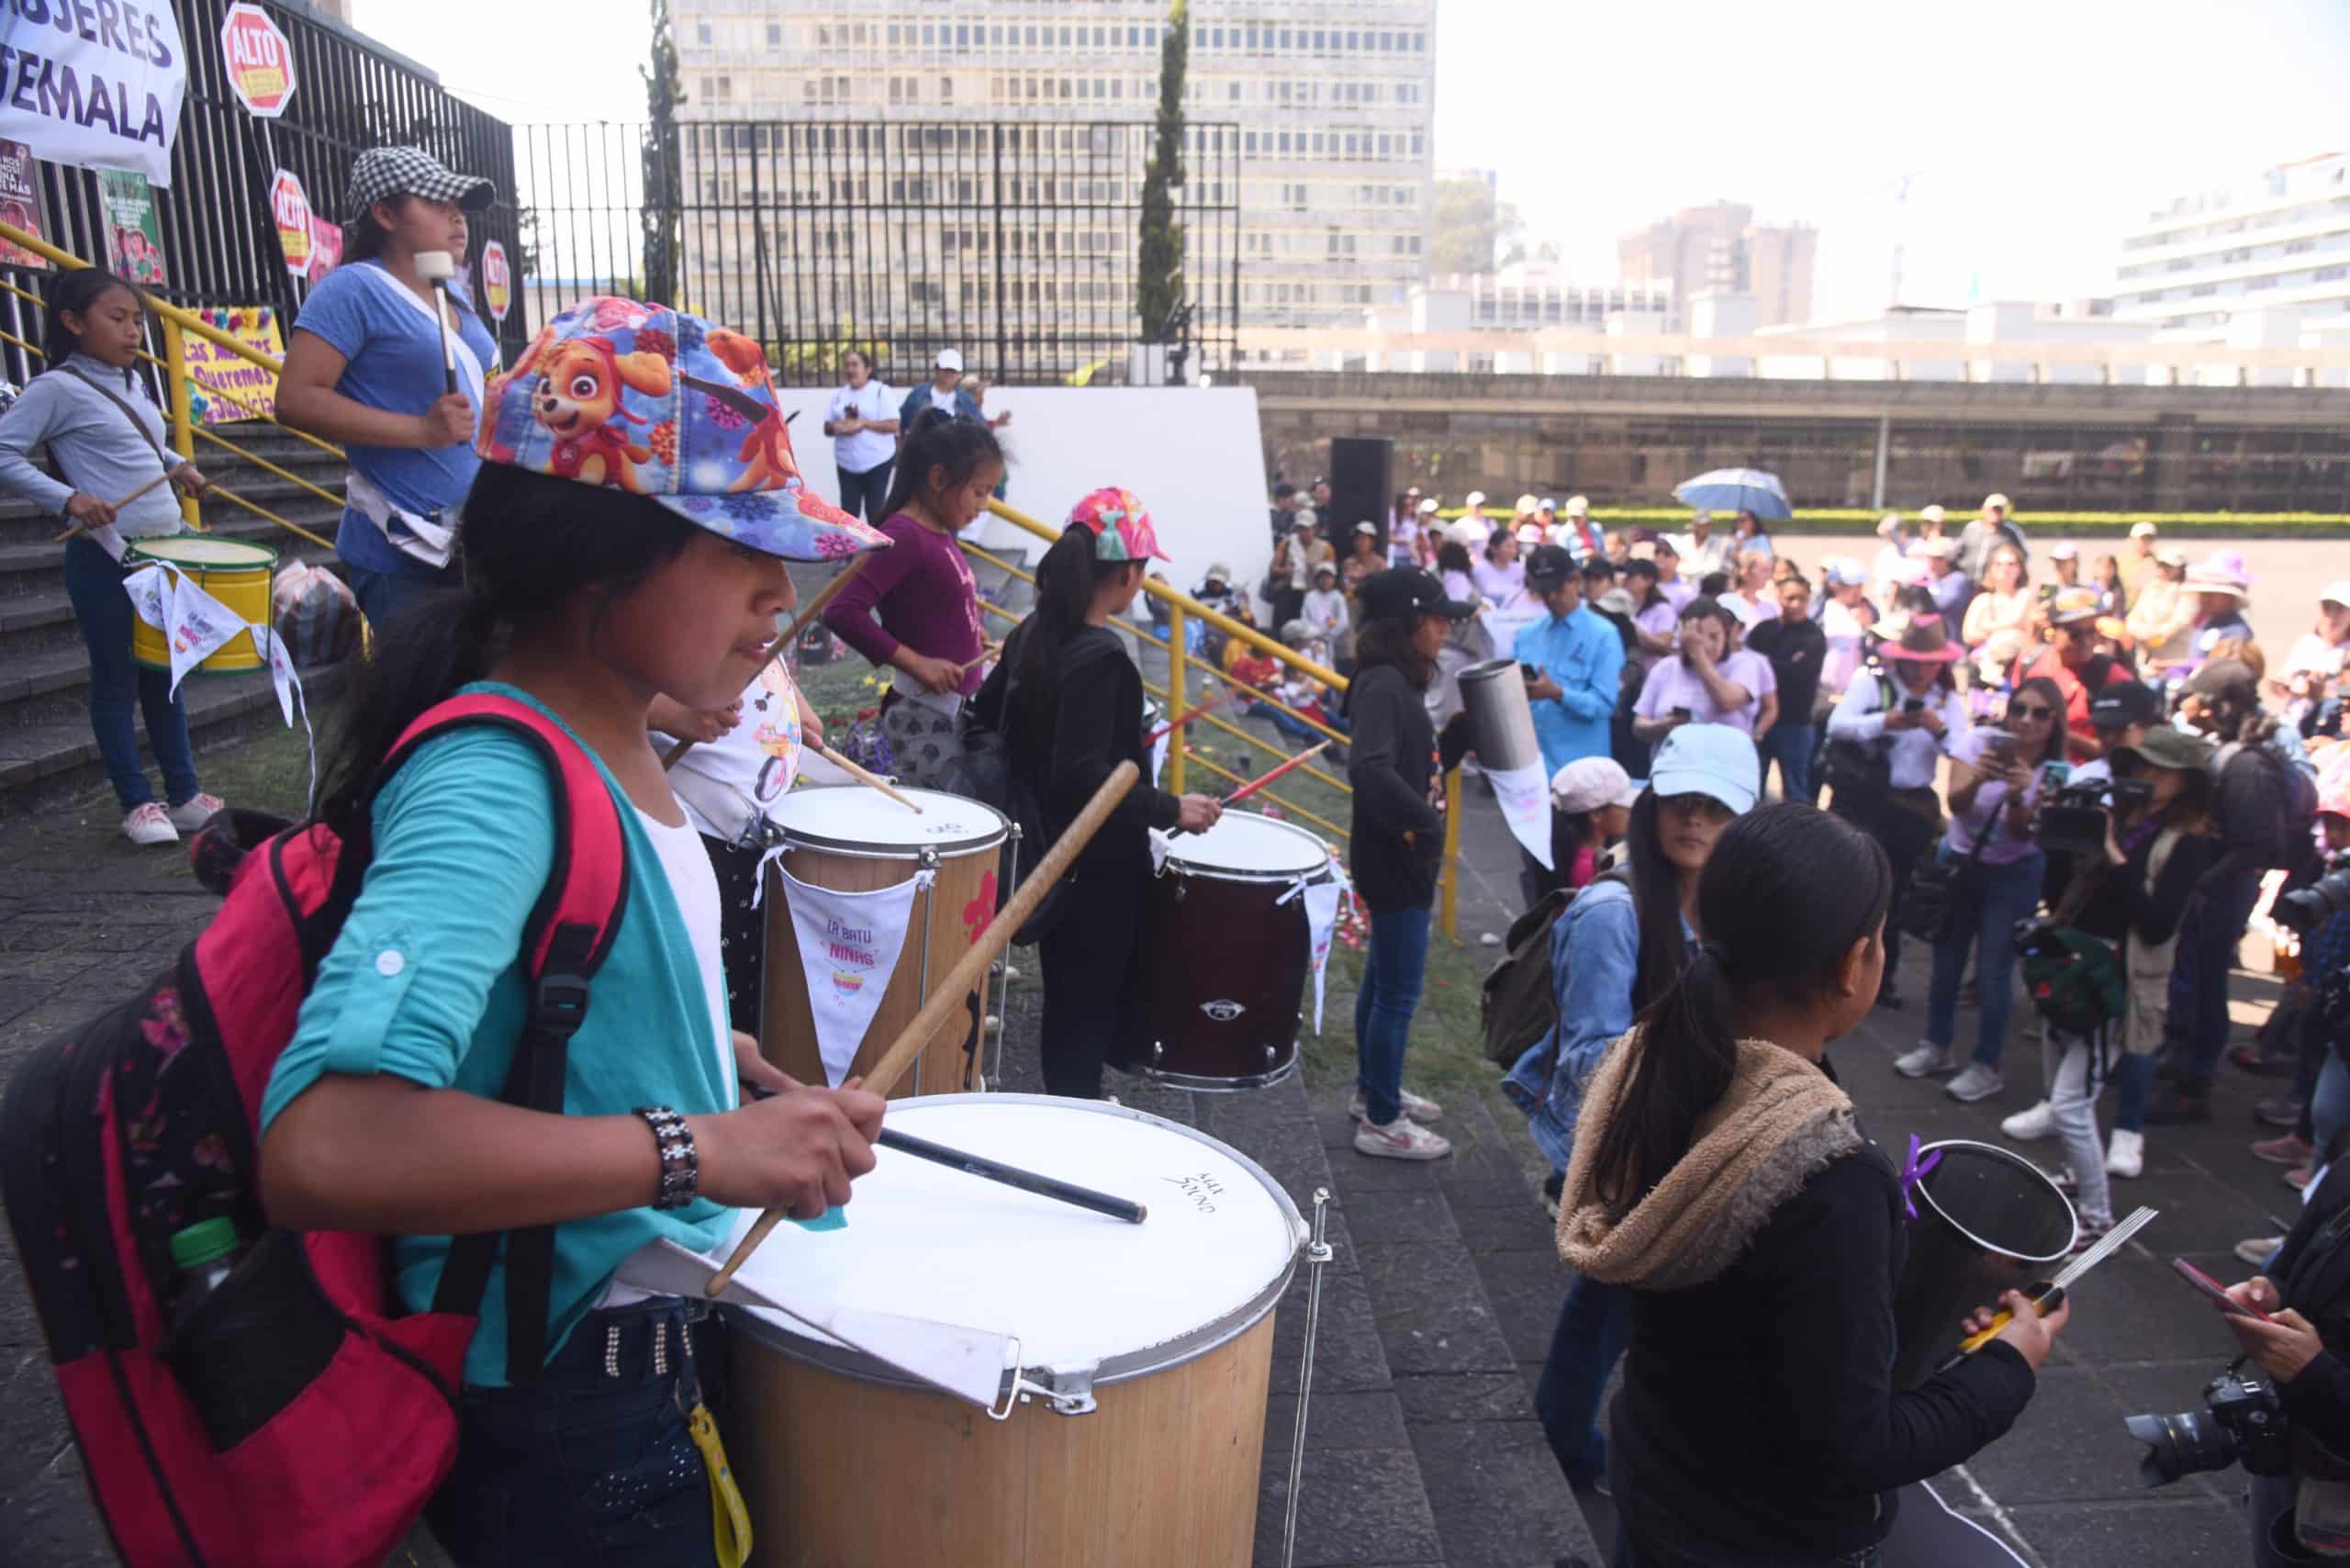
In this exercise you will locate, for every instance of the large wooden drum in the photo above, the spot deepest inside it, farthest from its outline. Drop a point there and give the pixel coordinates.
(1155, 1340)
(854, 839)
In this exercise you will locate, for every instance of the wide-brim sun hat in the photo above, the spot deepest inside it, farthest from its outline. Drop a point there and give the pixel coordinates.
(1918, 638)
(662, 404)
(2072, 606)
(1121, 528)
(2208, 577)
(2169, 749)
(1714, 760)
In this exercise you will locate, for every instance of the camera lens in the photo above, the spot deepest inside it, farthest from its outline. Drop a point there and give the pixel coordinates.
(2180, 1445)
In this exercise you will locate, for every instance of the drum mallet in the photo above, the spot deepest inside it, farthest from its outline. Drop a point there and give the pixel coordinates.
(967, 972)
(1300, 760)
(783, 644)
(437, 267)
(125, 501)
(870, 781)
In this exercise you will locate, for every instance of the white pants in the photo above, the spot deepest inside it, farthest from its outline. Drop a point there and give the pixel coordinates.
(2076, 1068)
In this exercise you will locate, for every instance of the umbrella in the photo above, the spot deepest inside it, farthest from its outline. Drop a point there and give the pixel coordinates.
(1737, 489)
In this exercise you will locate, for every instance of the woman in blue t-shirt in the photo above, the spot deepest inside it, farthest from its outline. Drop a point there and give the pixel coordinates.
(365, 367)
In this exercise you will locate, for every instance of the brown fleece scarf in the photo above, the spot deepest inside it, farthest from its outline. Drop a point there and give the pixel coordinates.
(1780, 1121)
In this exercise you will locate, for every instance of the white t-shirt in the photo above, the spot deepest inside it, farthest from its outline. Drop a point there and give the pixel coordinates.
(751, 764)
(867, 450)
(1747, 610)
(944, 402)
(2313, 652)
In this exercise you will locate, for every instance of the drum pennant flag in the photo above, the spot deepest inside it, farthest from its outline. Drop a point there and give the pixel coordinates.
(849, 943)
(1322, 900)
(196, 626)
(1525, 797)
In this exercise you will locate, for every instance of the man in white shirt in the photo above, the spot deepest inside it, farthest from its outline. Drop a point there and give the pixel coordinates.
(863, 423)
(1702, 555)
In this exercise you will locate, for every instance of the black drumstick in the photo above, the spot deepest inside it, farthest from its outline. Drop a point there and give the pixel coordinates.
(1013, 1176)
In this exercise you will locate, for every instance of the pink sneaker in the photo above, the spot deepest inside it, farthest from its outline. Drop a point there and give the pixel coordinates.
(148, 824)
(194, 813)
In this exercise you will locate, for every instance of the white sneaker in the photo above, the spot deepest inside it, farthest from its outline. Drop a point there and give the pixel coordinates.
(194, 813)
(2024, 1126)
(1977, 1082)
(150, 823)
(2126, 1155)
(1401, 1139)
(1924, 1062)
(1417, 1107)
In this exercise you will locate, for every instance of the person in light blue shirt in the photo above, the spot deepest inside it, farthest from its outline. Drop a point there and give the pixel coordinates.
(1578, 664)
(365, 367)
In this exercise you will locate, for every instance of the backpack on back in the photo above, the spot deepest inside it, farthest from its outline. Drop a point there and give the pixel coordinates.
(1518, 1002)
(2075, 979)
(294, 1414)
(2299, 848)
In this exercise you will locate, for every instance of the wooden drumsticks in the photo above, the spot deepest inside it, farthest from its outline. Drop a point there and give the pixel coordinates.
(83, 527)
(870, 781)
(783, 644)
(967, 972)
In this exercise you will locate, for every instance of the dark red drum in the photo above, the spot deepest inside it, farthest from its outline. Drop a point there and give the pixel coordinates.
(1226, 956)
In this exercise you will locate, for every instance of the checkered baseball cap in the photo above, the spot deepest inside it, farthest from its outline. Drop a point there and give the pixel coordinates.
(382, 173)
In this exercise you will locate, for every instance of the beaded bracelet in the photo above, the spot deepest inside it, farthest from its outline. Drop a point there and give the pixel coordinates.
(680, 1166)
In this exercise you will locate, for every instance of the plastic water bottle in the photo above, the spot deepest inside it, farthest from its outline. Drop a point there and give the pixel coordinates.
(204, 1254)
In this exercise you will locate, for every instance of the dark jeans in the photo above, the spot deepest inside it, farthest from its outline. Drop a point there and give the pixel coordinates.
(590, 1468)
(1091, 995)
(1904, 835)
(1584, 1348)
(2197, 1030)
(1791, 746)
(1393, 971)
(384, 597)
(863, 495)
(1991, 900)
(94, 584)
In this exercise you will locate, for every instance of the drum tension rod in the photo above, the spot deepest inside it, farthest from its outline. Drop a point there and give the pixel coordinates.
(1317, 1256)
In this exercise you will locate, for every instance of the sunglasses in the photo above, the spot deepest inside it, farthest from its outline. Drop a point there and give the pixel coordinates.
(1693, 804)
(2030, 712)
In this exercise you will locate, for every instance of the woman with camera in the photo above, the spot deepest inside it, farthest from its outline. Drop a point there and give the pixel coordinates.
(1998, 869)
(1721, 1179)
(2158, 842)
(1885, 741)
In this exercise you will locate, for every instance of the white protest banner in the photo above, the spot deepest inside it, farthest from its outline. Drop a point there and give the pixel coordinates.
(848, 949)
(1525, 797)
(1504, 621)
(96, 86)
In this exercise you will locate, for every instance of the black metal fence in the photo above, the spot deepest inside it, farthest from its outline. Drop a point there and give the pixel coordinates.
(220, 239)
(1013, 242)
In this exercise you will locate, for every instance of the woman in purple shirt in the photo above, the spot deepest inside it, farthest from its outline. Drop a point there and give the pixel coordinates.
(1706, 683)
(921, 588)
(1994, 780)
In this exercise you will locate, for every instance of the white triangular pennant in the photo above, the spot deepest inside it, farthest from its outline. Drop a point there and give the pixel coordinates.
(1525, 797)
(1321, 922)
(849, 945)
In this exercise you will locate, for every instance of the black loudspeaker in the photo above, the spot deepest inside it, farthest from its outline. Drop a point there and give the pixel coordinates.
(1361, 475)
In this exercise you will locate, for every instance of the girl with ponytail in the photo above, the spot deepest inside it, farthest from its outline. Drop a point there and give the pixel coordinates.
(1720, 1179)
(1068, 700)
(385, 1115)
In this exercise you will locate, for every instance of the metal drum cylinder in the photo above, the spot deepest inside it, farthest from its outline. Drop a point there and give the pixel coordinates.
(1499, 716)
(1988, 1221)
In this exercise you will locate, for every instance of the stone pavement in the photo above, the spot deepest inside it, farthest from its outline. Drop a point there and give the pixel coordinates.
(1422, 1446)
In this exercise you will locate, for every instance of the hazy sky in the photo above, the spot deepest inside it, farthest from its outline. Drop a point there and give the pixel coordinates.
(2034, 132)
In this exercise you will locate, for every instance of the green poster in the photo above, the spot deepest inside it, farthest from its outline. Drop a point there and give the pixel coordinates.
(134, 242)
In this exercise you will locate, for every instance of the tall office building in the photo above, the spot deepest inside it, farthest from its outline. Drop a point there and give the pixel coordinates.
(1721, 249)
(2277, 246)
(1331, 175)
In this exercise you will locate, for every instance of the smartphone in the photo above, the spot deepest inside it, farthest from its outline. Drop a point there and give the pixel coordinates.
(1683, 714)
(2218, 1292)
(2052, 775)
(2001, 749)
(1915, 705)
(1528, 673)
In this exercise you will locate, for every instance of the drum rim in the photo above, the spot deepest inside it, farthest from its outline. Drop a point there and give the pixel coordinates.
(1198, 1083)
(863, 849)
(2012, 1158)
(139, 547)
(1320, 870)
(1213, 1335)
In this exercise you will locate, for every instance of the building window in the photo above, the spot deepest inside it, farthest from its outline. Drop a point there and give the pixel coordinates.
(775, 35)
(701, 33)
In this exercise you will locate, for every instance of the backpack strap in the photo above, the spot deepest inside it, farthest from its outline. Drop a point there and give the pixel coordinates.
(568, 935)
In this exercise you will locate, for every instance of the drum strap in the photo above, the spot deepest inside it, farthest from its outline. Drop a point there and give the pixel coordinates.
(128, 412)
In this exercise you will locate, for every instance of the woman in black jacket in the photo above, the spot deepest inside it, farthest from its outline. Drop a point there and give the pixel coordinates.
(1070, 706)
(1397, 839)
(1719, 1171)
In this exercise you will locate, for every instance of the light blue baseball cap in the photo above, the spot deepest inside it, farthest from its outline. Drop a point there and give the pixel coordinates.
(1708, 759)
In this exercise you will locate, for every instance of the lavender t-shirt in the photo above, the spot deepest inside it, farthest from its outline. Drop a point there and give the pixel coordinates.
(1672, 684)
(2003, 847)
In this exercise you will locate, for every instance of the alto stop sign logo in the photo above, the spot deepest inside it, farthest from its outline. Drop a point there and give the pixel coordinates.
(291, 208)
(260, 60)
(497, 281)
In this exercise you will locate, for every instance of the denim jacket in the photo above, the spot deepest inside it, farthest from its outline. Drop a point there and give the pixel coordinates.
(1594, 959)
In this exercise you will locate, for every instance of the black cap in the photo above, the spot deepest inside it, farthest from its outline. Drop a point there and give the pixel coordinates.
(1548, 565)
(1283, 490)
(1406, 594)
(2227, 680)
(1597, 566)
(2124, 703)
(1641, 566)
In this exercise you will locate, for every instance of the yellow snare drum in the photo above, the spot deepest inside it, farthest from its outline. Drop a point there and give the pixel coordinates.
(232, 571)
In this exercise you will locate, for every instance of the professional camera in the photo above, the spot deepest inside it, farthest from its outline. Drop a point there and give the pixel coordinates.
(2073, 821)
(2302, 909)
(2241, 1422)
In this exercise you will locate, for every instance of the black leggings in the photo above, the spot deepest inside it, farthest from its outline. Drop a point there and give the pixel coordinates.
(1092, 982)
(1904, 835)
(864, 495)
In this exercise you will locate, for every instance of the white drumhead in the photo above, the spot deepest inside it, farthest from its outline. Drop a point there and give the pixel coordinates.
(1076, 1287)
(1244, 842)
(852, 816)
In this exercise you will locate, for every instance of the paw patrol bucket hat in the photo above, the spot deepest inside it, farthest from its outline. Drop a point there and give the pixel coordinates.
(664, 404)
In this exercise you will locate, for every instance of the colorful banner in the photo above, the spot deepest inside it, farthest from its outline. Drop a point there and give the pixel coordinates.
(849, 945)
(289, 206)
(497, 281)
(98, 87)
(134, 241)
(20, 203)
(1525, 797)
(223, 385)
